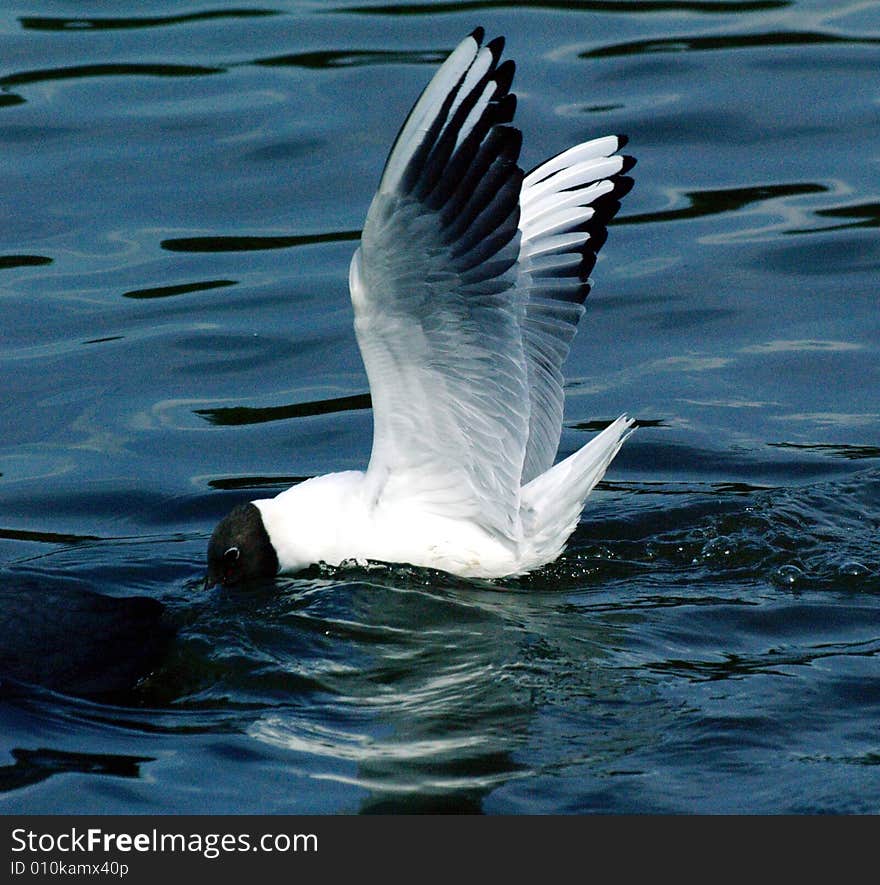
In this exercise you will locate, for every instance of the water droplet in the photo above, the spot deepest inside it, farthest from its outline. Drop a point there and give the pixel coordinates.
(787, 575)
(853, 569)
(718, 548)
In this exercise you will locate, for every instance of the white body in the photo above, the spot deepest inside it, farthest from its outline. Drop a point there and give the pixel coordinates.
(333, 519)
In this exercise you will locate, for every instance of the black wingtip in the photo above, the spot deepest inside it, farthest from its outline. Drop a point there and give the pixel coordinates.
(478, 34)
(504, 75)
(509, 103)
(622, 186)
(622, 141)
(509, 141)
(608, 205)
(496, 47)
(628, 163)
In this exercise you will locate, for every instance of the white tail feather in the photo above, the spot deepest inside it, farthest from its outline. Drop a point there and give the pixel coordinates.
(551, 503)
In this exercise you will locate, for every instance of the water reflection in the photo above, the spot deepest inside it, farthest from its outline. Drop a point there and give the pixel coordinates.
(722, 202)
(239, 415)
(713, 42)
(10, 261)
(445, 682)
(76, 72)
(352, 58)
(710, 7)
(862, 215)
(33, 766)
(850, 452)
(254, 243)
(241, 483)
(179, 289)
(112, 23)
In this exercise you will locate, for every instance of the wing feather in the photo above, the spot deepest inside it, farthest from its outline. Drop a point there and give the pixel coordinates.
(437, 313)
(566, 205)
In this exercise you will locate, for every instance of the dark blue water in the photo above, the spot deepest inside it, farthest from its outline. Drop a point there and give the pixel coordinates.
(182, 188)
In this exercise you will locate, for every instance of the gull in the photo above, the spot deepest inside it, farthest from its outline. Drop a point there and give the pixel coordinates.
(467, 287)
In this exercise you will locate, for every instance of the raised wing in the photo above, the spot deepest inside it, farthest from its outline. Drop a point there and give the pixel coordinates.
(438, 313)
(566, 204)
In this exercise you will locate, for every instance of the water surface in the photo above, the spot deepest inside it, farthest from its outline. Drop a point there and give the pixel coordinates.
(183, 189)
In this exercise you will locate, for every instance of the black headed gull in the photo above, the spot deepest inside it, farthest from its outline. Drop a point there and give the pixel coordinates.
(467, 288)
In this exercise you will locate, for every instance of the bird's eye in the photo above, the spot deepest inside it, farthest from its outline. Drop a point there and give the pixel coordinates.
(230, 564)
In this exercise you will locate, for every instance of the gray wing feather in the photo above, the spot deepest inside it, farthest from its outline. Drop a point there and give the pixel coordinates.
(437, 313)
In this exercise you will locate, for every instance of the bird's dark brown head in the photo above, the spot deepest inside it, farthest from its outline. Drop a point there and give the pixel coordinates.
(240, 550)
